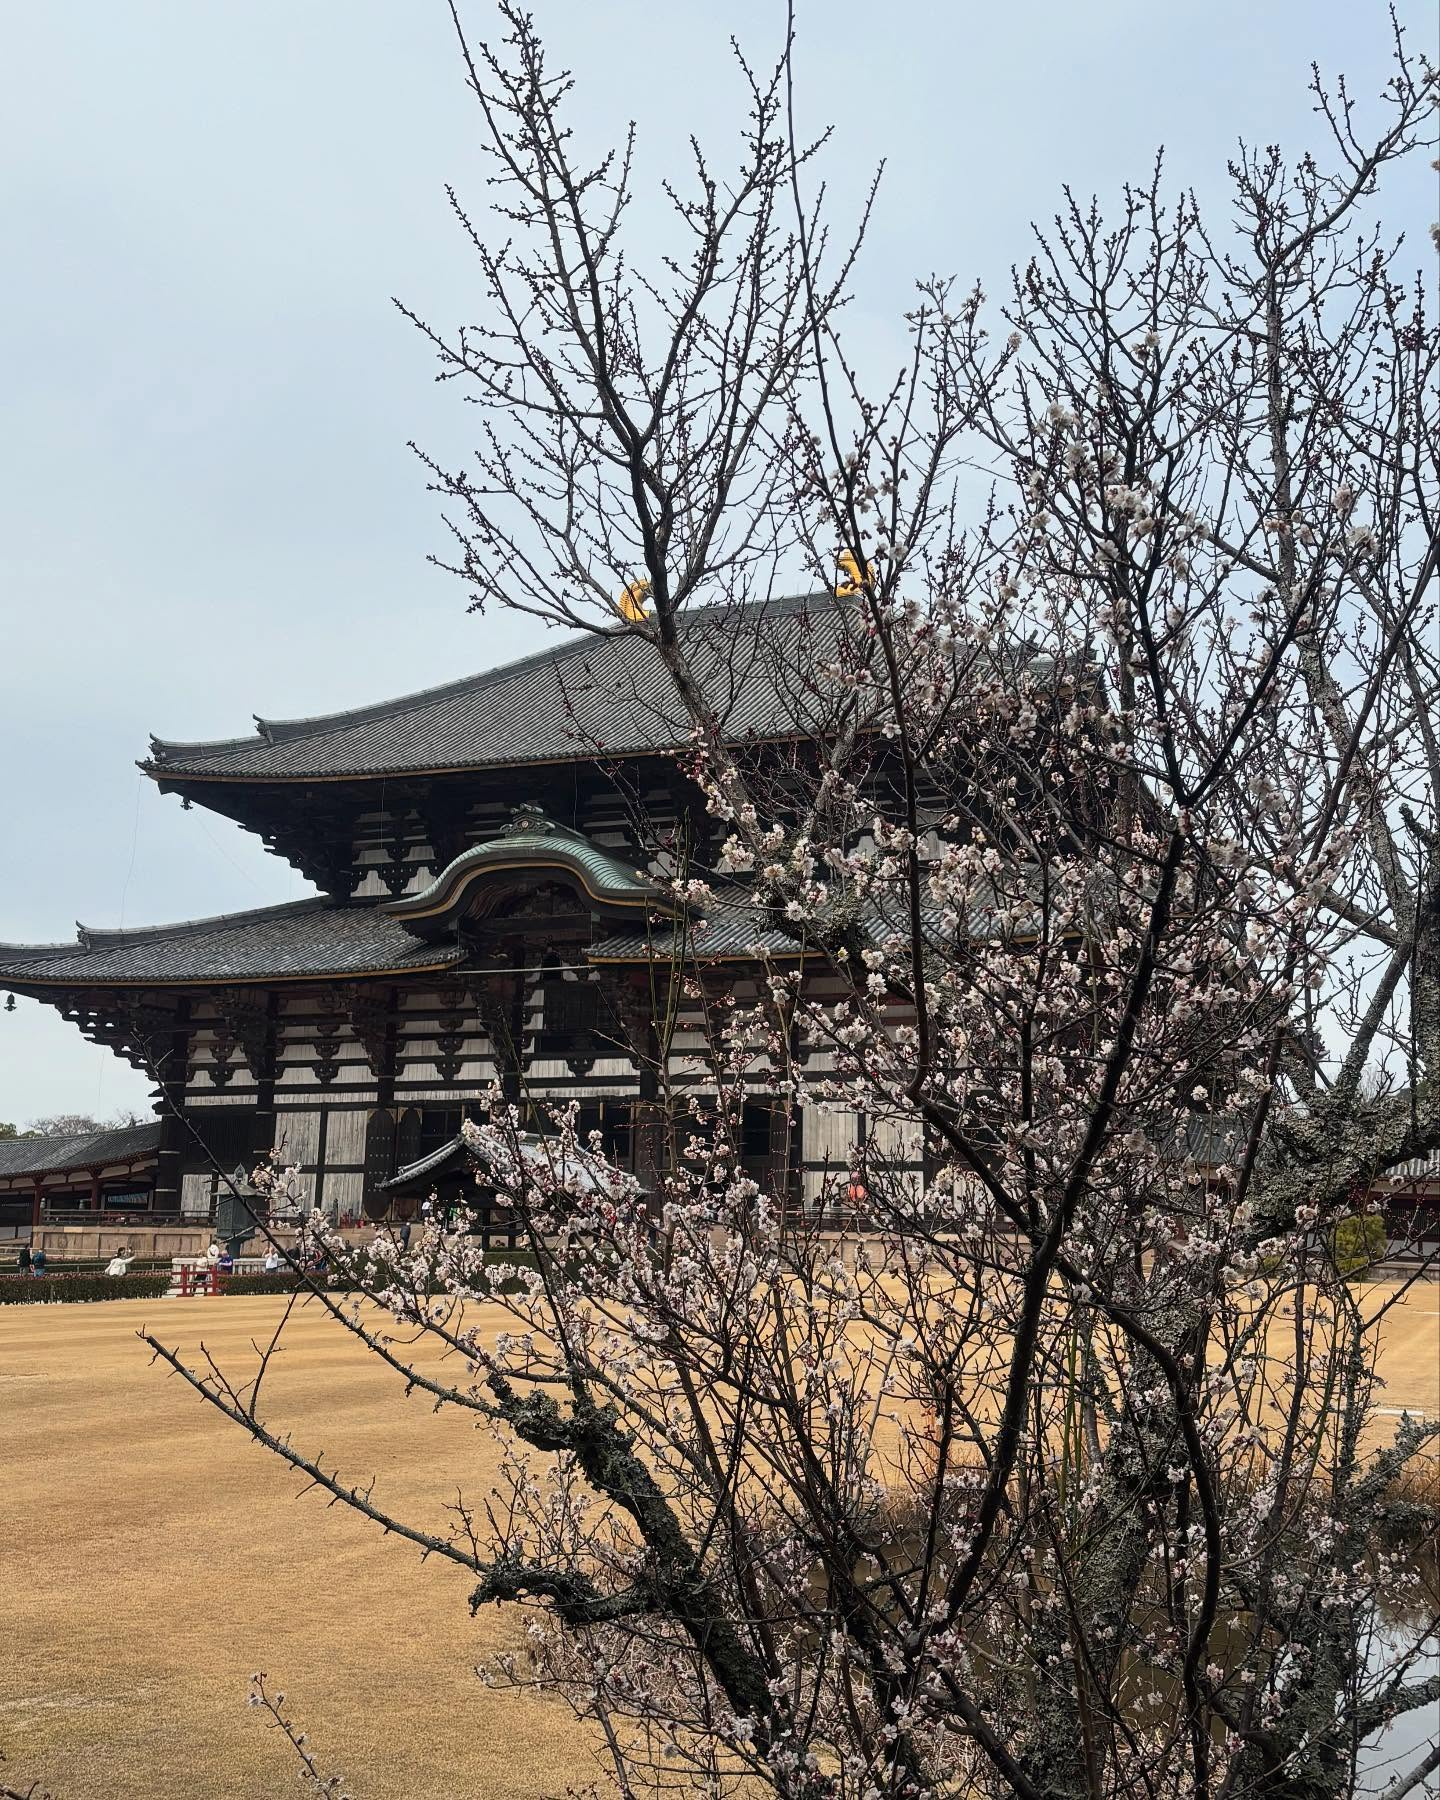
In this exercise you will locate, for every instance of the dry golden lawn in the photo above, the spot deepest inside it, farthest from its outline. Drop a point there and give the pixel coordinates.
(1410, 1349)
(153, 1557)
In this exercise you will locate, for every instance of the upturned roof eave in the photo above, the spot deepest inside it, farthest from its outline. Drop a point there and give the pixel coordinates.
(87, 961)
(274, 731)
(16, 981)
(171, 761)
(109, 937)
(165, 775)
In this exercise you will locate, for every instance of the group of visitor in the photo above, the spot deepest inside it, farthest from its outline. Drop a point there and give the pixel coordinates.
(217, 1258)
(32, 1262)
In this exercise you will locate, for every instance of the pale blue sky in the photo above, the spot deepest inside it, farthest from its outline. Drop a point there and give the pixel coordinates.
(206, 504)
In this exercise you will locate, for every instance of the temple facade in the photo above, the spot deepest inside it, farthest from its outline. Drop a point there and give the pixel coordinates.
(489, 859)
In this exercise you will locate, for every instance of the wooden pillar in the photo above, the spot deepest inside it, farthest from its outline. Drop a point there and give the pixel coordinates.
(371, 1013)
(499, 1001)
(647, 1134)
(385, 1073)
(263, 1141)
(95, 1189)
(170, 1104)
(633, 1008)
(647, 1131)
(38, 1203)
(784, 1157)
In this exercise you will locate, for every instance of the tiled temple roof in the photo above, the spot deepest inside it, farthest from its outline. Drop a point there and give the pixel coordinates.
(727, 933)
(731, 925)
(89, 1150)
(606, 694)
(304, 938)
(318, 938)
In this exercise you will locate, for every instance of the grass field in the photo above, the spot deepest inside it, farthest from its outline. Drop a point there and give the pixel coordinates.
(153, 1557)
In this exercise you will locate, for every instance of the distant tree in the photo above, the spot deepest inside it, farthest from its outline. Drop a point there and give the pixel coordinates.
(62, 1125)
(74, 1124)
(7, 1130)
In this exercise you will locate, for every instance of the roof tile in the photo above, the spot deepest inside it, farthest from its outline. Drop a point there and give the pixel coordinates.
(91, 1149)
(602, 694)
(304, 938)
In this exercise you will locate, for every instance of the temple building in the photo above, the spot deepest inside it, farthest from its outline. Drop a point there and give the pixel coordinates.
(492, 860)
(489, 910)
(92, 1175)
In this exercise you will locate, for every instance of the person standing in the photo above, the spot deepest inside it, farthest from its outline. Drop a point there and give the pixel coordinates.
(24, 1260)
(37, 1261)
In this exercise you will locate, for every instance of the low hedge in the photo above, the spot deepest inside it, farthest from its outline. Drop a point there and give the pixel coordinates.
(285, 1281)
(41, 1290)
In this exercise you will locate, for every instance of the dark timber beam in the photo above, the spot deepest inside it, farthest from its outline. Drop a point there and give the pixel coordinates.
(170, 1068)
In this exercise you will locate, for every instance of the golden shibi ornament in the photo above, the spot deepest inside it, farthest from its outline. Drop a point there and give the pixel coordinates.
(631, 604)
(847, 574)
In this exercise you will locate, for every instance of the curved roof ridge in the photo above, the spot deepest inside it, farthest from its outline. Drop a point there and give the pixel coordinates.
(14, 953)
(161, 748)
(276, 731)
(100, 937)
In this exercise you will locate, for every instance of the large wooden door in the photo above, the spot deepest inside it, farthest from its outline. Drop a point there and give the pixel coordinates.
(379, 1160)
